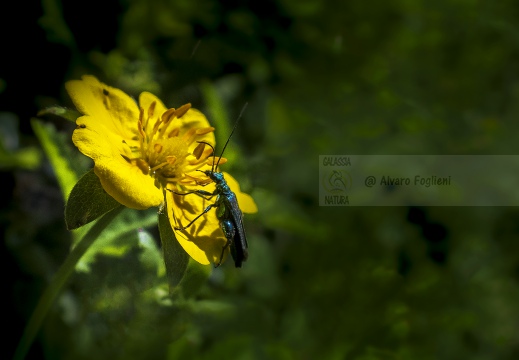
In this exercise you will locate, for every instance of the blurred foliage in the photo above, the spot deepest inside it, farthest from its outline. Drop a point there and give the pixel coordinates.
(378, 77)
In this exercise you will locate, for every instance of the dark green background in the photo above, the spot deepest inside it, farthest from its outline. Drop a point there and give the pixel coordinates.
(320, 77)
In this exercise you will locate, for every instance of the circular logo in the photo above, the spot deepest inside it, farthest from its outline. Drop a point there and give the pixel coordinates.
(336, 181)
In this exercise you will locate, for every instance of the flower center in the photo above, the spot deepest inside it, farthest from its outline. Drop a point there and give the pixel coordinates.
(166, 157)
(165, 146)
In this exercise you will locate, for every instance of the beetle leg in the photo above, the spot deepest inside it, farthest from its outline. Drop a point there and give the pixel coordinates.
(192, 221)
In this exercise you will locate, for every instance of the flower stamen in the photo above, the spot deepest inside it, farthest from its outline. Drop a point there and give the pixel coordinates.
(203, 131)
(181, 111)
(174, 132)
(168, 115)
(151, 109)
(171, 159)
(163, 153)
(199, 150)
(155, 168)
(189, 136)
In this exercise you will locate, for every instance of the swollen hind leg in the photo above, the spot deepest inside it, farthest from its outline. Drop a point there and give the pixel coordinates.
(229, 231)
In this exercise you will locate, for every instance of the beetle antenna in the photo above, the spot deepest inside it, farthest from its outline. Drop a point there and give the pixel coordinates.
(211, 146)
(232, 132)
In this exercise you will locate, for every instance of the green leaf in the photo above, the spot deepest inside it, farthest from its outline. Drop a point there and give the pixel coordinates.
(185, 275)
(58, 281)
(59, 153)
(87, 201)
(151, 255)
(175, 257)
(122, 235)
(195, 277)
(65, 113)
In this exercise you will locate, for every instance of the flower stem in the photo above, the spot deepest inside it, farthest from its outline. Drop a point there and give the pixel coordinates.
(59, 280)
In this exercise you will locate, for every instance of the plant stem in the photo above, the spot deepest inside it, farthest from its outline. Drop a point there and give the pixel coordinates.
(59, 280)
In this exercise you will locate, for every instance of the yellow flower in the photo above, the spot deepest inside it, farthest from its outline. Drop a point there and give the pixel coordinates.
(141, 150)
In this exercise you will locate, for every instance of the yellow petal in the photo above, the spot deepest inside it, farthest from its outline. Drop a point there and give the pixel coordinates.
(145, 101)
(204, 239)
(194, 119)
(110, 108)
(124, 181)
(127, 184)
(96, 141)
(247, 204)
(245, 201)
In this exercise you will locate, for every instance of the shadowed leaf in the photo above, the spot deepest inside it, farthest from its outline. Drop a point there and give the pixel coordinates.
(65, 113)
(87, 201)
(175, 257)
(59, 153)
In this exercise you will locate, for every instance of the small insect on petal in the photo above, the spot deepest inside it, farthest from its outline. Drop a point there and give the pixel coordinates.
(199, 150)
(106, 100)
